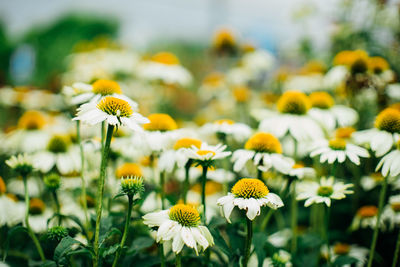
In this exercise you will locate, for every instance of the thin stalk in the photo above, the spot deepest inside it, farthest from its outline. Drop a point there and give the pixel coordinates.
(203, 193)
(293, 218)
(326, 235)
(162, 256)
(162, 189)
(397, 251)
(126, 229)
(376, 230)
(30, 232)
(186, 184)
(178, 260)
(54, 193)
(83, 183)
(100, 192)
(266, 219)
(249, 237)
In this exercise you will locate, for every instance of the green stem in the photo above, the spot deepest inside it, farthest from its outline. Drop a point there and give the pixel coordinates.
(376, 230)
(203, 193)
(294, 218)
(259, 174)
(100, 192)
(326, 223)
(249, 237)
(127, 221)
(83, 183)
(162, 256)
(397, 251)
(30, 232)
(266, 219)
(162, 189)
(54, 193)
(186, 183)
(178, 260)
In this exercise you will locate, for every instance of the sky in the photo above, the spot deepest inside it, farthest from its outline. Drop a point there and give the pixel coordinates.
(267, 23)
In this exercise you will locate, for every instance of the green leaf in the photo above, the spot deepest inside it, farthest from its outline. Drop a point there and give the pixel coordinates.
(140, 243)
(49, 263)
(220, 242)
(344, 260)
(63, 248)
(13, 231)
(111, 232)
(259, 241)
(110, 250)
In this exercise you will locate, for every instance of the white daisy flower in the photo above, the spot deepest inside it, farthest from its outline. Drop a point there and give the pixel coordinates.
(343, 249)
(281, 258)
(391, 212)
(78, 93)
(21, 164)
(304, 83)
(115, 110)
(390, 163)
(39, 215)
(367, 217)
(293, 118)
(249, 194)
(335, 77)
(12, 211)
(207, 153)
(323, 191)
(227, 128)
(338, 150)
(301, 172)
(329, 115)
(181, 225)
(369, 182)
(381, 138)
(265, 151)
(34, 184)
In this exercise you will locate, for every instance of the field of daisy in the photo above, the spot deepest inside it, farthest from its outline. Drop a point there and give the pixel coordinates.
(215, 154)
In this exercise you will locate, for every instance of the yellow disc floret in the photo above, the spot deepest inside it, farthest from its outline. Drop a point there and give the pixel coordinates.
(224, 121)
(241, 94)
(165, 58)
(224, 38)
(337, 144)
(115, 106)
(250, 188)
(388, 120)
(186, 215)
(36, 206)
(128, 169)
(59, 143)
(205, 152)
(160, 122)
(344, 132)
(377, 64)
(264, 142)
(325, 191)
(321, 100)
(341, 249)
(2, 186)
(367, 211)
(294, 102)
(106, 87)
(32, 120)
(187, 143)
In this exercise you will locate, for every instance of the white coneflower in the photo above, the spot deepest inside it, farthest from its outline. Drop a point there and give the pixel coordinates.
(367, 217)
(181, 225)
(390, 163)
(226, 128)
(323, 191)
(207, 153)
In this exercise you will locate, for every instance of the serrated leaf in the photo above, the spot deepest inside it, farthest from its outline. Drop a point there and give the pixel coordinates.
(110, 250)
(63, 248)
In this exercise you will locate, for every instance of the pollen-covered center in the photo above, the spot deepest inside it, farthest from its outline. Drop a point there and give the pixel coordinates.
(224, 121)
(388, 120)
(341, 248)
(165, 58)
(321, 100)
(58, 144)
(128, 169)
(395, 206)
(250, 188)
(294, 102)
(337, 144)
(264, 142)
(325, 191)
(187, 143)
(367, 211)
(377, 64)
(32, 120)
(344, 132)
(160, 122)
(115, 106)
(36, 206)
(186, 215)
(106, 87)
(205, 152)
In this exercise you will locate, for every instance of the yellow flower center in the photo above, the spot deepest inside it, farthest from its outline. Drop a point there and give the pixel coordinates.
(211, 188)
(106, 87)
(377, 64)
(148, 161)
(264, 142)
(337, 144)
(377, 176)
(344, 132)
(115, 106)
(36, 206)
(241, 94)
(224, 121)
(160, 122)
(128, 169)
(349, 57)
(395, 207)
(294, 102)
(321, 100)
(187, 143)
(341, 249)
(250, 188)
(165, 58)
(12, 197)
(224, 38)
(184, 214)
(58, 144)
(32, 120)
(298, 165)
(367, 211)
(325, 191)
(388, 120)
(205, 152)
(214, 79)
(2, 186)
